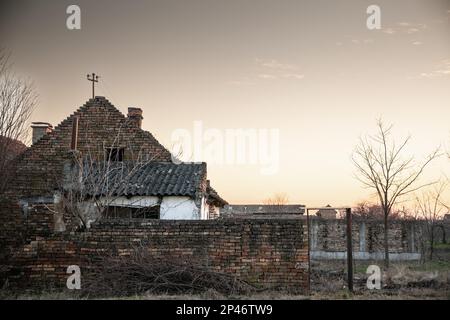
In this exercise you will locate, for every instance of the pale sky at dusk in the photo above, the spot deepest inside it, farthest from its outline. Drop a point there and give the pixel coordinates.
(311, 69)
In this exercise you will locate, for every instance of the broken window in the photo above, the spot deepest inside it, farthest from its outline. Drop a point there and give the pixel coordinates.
(114, 154)
(117, 212)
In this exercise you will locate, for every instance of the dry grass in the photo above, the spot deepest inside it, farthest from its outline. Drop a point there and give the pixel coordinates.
(410, 294)
(412, 280)
(402, 281)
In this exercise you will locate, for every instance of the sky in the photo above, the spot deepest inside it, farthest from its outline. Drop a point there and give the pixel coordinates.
(309, 70)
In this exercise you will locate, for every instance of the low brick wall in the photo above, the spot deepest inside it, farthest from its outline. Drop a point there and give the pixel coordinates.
(264, 252)
(18, 228)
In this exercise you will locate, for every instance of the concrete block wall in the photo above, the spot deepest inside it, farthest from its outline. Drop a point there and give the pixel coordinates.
(328, 239)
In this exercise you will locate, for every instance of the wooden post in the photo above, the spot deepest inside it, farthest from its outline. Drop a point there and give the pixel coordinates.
(348, 213)
(93, 78)
(74, 142)
(309, 250)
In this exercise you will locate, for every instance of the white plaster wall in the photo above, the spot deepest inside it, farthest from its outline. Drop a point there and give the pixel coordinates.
(204, 211)
(179, 208)
(172, 207)
(137, 201)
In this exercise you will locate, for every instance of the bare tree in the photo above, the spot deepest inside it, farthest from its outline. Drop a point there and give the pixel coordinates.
(430, 207)
(381, 165)
(278, 199)
(373, 211)
(93, 180)
(448, 153)
(17, 102)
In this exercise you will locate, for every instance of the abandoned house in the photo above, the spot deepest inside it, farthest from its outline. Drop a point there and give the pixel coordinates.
(101, 163)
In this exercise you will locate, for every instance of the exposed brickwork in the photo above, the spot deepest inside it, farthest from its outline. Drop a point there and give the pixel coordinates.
(38, 170)
(101, 125)
(33, 256)
(18, 228)
(13, 229)
(268, 253)
(39, 222)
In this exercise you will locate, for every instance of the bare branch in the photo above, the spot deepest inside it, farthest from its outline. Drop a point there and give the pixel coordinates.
(380, 165)
(17, 102)
(277, 199)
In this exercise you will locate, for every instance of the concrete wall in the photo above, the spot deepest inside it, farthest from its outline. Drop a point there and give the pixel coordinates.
(328, 239)
(239, 210)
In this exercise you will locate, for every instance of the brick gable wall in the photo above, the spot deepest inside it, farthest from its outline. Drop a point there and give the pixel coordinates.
(38, 171)
(101, 125)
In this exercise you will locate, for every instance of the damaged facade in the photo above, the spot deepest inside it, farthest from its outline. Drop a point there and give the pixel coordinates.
(101, 163)
(98, 172)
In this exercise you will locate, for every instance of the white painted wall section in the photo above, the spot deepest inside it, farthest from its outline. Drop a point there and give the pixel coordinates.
(172, 207)
(179, 208)
(133, 202)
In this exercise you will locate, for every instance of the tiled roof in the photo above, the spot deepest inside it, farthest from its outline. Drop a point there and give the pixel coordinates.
(213, 196)
(149, 179)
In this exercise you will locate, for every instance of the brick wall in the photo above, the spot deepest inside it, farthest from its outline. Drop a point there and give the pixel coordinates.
(18, 228)
(265, 252)
(12, 228)
(39, 169)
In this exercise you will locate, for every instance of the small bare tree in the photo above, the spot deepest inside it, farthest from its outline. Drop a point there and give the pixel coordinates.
(381, 165)
(90, 186)
(94, 180)
(17, 102)
(278, 199)
(373, 211)
(430, 207)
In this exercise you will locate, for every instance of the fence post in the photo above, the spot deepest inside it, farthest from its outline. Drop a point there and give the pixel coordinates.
(309, 250)
(348, 213)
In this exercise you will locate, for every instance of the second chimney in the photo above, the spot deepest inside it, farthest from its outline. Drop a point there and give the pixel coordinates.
(135, 116)
(40, 129)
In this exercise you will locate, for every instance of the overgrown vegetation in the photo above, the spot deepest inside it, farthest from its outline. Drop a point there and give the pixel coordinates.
(140, 273)
(381, 165)
(403, 280)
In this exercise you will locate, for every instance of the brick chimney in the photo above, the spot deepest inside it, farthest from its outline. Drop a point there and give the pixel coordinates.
(40, 129)
(135, 116)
